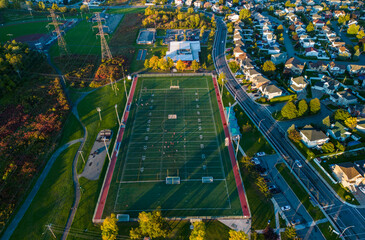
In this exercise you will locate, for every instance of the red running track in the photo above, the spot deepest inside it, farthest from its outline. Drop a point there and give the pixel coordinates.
(108, 178)
(239, 184)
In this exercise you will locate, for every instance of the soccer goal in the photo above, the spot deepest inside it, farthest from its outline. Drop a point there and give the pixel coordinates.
(207, 179)
(123, 217)
(174, 86)
(172, 180)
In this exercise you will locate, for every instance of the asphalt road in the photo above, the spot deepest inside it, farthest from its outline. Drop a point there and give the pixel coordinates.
(342, 215)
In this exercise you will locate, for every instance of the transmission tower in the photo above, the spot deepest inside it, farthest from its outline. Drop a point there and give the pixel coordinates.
(105, 51)
(60, 39)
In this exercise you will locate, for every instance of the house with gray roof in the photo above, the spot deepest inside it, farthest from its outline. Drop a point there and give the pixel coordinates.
(339, 132)
(298, 84)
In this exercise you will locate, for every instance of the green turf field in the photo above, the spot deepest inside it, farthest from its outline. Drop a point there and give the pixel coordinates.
(174, 132)
(21, 29)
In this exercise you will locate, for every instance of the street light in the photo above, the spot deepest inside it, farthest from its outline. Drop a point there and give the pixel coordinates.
(229, 112)
(99, 110)
(345, 230)
(261, 121)
(116, 111)
(238, 143)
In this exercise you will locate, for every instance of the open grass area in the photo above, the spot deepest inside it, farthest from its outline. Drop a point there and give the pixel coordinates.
(191, 153)
(301, 193)
(326, 231)
(72, 130)
(12, 15)
(22, 29)
(52, 202)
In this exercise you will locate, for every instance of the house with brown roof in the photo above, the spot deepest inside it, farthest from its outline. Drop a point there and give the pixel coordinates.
(312, 137)
(349, 175)
(298, 84)
(336, 68)
(354, 69)
(317, 66)
(294, 66)
(237, 51)
(259, 81)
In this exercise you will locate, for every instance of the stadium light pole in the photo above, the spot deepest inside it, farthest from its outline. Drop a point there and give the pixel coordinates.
(345, 230)
(49, 227)
(99, 110)
(238, 143)
(82, 156)
(125, 90)
(116, 111)
(106, 149)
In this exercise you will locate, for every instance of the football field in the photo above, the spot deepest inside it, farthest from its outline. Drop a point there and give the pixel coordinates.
(174, 134)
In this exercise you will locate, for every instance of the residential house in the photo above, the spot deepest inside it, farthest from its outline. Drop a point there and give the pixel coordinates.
(292, 17)
(188, 2)
(251, 74)
(270, 91)
(299, 30)
(317, 8)
(294, 66)
(351, 22)
(273, 50)
(327, 85)
(234, 18)
(229, 3)
(317, 66)
(336, 69)
(337, 45)
(310, 2)
(179, 2)
(207, 5)
(349, 175)
(237, 37)
(343, 98)
(354, 69)
(311, 52)
(334, 2)
(217, 8)
(361, 124)
(344, 52)
(316, 16)
(247, 64)
(299, 9)
(298, 84)
(198, 4)
(307, 43)
(237, 51)
(259, 81)
(339, 13)
(279, 58)
(318, 23)
(328, 14)
(312, 137)
(338, 132)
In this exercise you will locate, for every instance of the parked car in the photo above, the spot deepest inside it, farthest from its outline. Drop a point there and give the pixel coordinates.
(267, 180)
(260, 154)
(272, 187)
(297, 162)
(285, 208)
(264, 174)
(256, 161)
(362, 189)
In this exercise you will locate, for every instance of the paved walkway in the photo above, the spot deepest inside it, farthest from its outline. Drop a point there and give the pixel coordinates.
(18, 217)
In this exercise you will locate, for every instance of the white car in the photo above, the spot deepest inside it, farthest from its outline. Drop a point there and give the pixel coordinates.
(298, 163)
(260, 154)
(285, 208)
(362, 189)
(256, 161)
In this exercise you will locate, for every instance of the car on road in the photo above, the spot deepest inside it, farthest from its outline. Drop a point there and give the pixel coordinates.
(297, 162)
(362, 189)
(285, 208)
(260, 154)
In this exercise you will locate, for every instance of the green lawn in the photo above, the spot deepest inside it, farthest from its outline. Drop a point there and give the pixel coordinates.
(301, 193)
(72, 130)
(325, 229)
(22, 29)
(53, 201)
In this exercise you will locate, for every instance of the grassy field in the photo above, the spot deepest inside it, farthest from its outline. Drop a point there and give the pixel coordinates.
(53, 201)
(190, 197)
(22, 29)
(301, 193)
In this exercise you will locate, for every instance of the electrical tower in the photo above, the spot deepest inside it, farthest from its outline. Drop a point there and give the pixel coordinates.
(60, 39)
(105, 51)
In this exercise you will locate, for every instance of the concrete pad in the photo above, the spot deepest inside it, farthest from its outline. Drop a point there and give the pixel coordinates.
(238, 224)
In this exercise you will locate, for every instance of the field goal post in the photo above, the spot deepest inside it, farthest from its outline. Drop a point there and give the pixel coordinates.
(172, 180)
(207, 179)
(177, 86)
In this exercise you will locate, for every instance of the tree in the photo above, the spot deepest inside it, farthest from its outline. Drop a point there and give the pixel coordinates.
(360, 34)
(245, 14)
(202, 30)
(326, 121)
(63, 9)
(269, 233)
(340, 147)
(109, 228)
(234, 66)
(209, 59)
(195, 65)
(302, 107)
(353, 29)
(222, 80)
(341, 114)
(163, 64)
(4, 4)
(198, 232)
(146, 63)
(29, 4)
(280, 29)
(170, 62)
(262, 186)
(268, 67)
(290, 232)
(83, 8)
(351, 122)
(150, 225)
(315, 105)
(237, 235)
(55, 6)
(180, 65)
(246, 162)
(154, 62)
(294, 135)
(328, 147)
(289, 110)
(41, 5)
(310, 27)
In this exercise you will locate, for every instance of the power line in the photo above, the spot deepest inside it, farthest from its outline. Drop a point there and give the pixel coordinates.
(60, 39)
(105, 51)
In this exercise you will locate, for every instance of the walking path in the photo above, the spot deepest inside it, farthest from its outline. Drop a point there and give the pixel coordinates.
(237, 176)
(98, 214)
(18, 217)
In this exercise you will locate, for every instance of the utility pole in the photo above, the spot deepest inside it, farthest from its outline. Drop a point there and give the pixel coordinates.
(105, 51)
(50, 229)
(82, 156)
(60, 39)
